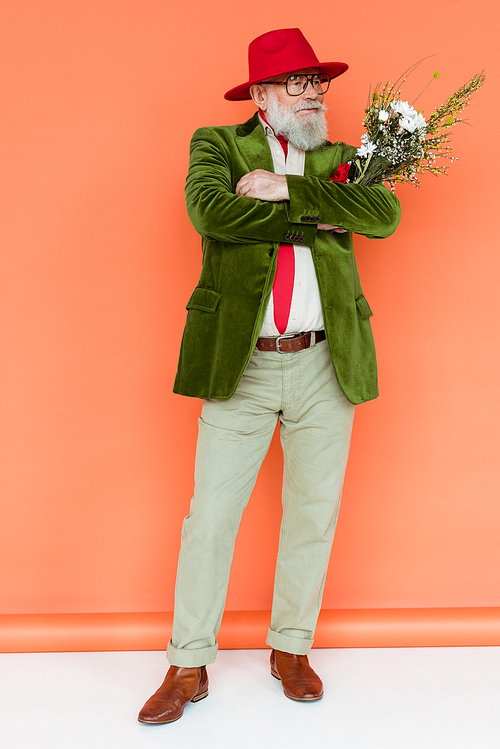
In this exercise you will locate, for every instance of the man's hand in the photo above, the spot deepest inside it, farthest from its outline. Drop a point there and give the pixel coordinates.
(329, 227)
(263, 185)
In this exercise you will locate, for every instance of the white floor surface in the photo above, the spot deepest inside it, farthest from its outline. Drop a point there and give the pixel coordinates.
(401, 698)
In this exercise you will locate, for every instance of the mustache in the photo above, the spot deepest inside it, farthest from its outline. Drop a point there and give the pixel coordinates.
(309, 105)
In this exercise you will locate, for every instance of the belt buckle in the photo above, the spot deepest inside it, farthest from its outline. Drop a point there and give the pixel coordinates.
(280, 338)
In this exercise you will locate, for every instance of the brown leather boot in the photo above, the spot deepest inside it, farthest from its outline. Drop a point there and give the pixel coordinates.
(299, 681)
(181, 685)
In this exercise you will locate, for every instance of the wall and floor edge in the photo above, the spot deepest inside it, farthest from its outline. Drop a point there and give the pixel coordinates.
(341, 628)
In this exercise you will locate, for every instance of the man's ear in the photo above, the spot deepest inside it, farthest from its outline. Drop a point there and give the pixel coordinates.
(259, 96)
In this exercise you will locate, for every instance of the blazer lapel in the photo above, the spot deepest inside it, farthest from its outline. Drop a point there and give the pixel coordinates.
(253, 146)
(321, 162)
(252, 143)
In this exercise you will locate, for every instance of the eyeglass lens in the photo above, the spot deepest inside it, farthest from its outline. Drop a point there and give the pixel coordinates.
(297, 84)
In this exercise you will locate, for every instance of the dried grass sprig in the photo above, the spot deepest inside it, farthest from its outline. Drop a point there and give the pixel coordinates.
(399, 144)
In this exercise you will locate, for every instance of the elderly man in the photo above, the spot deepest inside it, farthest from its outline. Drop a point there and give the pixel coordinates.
(277, 330)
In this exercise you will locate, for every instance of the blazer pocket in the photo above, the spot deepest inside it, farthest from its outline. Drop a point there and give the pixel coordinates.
(363, 307)
(204, 299)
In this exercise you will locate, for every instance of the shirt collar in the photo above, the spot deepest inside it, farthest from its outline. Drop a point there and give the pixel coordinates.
(267, 127)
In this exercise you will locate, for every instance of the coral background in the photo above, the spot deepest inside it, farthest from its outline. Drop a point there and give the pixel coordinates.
(98, 258)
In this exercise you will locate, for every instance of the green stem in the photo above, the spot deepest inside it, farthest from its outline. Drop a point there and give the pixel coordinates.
(365, 168)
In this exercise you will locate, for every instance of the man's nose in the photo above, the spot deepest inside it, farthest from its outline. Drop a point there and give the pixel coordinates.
(310, 92)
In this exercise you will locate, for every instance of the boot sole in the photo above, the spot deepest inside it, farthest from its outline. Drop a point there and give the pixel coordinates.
(200, 696)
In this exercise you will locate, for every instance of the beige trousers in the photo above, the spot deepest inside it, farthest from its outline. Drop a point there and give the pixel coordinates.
(299, 389)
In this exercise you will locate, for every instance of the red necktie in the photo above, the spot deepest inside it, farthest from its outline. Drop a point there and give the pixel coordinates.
(285, 270)
(283, 286)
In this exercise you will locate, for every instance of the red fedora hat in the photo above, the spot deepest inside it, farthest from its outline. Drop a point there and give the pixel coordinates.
(278, 52)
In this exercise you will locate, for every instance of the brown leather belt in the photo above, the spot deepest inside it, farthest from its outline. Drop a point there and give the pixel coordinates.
(287, 344)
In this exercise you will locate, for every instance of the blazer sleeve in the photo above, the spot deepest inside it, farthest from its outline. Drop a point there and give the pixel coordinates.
(216, 212)
(373, 211)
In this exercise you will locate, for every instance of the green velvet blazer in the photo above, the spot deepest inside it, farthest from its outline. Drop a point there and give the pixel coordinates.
(240, 240)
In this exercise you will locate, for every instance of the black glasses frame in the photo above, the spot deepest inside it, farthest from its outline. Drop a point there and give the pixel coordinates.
(309, 80)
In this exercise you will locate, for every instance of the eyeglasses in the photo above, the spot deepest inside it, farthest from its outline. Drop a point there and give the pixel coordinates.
(297, 84)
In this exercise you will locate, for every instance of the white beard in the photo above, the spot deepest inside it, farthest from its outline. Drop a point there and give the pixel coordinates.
(307, 135)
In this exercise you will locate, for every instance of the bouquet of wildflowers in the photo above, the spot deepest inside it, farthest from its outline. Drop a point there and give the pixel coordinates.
(399, 143)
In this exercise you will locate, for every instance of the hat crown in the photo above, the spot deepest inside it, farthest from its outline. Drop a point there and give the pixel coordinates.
(278, 52)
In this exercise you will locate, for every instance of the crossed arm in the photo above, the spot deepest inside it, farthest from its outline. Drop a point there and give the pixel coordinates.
(263, 185)
(266, 207)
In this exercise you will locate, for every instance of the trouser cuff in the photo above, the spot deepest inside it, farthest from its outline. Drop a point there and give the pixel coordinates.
(287, 644)
(185, 658)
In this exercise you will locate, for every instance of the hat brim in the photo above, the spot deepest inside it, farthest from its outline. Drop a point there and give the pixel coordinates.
(239, 93)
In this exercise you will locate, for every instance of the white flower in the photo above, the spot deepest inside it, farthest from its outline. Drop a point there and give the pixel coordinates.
(364, 138)
(407, 124)
(403, 108)
(419, 121)
(383, 115)
(366, 148)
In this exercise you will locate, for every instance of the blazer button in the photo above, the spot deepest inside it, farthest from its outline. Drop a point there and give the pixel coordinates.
(300, 239)
(304, 218)
(270, 253)
(287, 237)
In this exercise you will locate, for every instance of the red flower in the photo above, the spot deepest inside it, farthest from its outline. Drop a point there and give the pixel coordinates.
(341, 174)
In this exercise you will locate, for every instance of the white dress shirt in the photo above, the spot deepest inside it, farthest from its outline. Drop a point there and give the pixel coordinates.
(305, 310)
